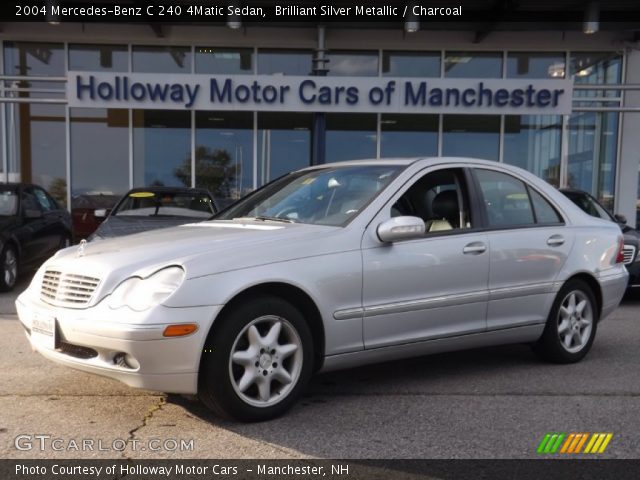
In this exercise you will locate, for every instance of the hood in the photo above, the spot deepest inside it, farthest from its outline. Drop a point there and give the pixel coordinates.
(203, 248)
(117, 226)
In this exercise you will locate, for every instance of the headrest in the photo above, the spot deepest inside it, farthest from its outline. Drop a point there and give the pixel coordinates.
(445, 204)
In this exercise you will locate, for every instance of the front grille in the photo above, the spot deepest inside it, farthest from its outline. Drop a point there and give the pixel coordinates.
(67, 289)
(629, 252)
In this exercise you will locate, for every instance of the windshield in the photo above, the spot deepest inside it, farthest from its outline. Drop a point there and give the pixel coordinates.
(8, 202)
(328, 196)
(171, 204)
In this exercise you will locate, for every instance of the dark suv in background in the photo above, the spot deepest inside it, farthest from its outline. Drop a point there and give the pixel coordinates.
(631, 237)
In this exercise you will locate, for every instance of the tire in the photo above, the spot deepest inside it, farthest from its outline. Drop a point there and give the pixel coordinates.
(8, 268)
(571, 326)
(257, 360)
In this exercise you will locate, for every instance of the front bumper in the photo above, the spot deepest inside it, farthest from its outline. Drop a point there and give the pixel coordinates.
(93, 340)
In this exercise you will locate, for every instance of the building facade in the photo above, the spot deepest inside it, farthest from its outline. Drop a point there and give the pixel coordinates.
(55, 134)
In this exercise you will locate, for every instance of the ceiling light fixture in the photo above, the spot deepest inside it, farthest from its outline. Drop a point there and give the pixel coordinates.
(591, 22)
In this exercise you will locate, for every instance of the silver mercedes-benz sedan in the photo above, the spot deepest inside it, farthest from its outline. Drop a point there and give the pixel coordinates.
(331, 267)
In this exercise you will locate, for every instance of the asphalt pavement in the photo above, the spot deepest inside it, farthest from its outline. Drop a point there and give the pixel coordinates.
(487, 403)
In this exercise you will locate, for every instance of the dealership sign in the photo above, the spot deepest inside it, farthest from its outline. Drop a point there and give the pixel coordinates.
(319, 94)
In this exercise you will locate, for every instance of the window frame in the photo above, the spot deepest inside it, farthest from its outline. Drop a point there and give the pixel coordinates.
(474, 211)
(480, 203)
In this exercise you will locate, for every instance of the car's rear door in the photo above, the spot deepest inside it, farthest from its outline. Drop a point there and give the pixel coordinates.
(429, 287)
(529, 243)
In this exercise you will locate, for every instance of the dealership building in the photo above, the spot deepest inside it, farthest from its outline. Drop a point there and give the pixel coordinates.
(92, 109)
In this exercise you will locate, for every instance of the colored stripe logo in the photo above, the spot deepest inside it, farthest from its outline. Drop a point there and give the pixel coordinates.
(573, 443)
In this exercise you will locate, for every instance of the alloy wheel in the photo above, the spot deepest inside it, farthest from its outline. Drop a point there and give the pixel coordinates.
(10, 267)
(265, 361)
(575, 321)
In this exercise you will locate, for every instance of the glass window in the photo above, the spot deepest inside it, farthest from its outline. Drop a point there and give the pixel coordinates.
(592, 154)
(8, 201)
(439, 198)
(505, 198)
(411, 64)
(535, 65)
(596, 68)
(324, 196)
(224, 60)
(99, 156)
(96, 58)
(471, 136)
(46, 203)
(36, 146)
(350, 136)
(533, 142)
(34, 59)
(408, 135)
(285, 62)
(473, 64)
(161, 148)
(356, 64)
(29, 201)
(151, 59)
(545, 213)
(284, 143)
(224, 154)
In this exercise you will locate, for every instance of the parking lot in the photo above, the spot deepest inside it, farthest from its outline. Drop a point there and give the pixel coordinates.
(488, 403)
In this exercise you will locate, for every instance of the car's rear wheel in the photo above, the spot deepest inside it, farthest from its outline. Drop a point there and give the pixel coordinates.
(257, 360)
(571, 326)
(8, 268)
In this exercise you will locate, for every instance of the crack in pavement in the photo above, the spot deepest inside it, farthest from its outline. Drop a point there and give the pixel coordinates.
(162, 401)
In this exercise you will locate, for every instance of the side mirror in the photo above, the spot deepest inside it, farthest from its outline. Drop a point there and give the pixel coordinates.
(620, 218)
(32, 214)
(100, 213)
(400, 228)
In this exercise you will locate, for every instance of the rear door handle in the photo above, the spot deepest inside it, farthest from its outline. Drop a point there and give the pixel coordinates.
(474, 248)
(555, 240)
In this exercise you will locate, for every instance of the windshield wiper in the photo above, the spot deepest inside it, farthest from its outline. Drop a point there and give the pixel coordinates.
(265, 218)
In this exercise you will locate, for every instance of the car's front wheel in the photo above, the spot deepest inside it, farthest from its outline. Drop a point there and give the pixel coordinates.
(8, 268)
(257, 360)
(571, 326)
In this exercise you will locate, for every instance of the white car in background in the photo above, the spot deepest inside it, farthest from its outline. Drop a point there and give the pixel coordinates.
(331, 267)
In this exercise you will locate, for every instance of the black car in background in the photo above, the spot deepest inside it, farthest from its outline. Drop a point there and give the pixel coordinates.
(32, 228)
(150, 208)
(631, 237)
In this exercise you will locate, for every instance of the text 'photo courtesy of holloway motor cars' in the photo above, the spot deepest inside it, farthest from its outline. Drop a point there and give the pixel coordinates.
(331, 267)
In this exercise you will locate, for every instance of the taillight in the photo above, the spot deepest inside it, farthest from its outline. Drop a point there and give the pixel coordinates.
(620, 256)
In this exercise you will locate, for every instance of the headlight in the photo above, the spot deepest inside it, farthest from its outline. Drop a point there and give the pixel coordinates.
(142, 293)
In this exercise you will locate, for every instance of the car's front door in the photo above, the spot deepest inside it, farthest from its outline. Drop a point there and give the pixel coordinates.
(429, 287)
(529, 245)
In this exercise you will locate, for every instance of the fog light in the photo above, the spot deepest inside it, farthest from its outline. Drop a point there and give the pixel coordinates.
(125, 360)
(180, 330)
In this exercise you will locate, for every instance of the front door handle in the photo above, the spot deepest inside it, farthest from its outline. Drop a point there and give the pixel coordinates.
(474, 248)
(555, 240)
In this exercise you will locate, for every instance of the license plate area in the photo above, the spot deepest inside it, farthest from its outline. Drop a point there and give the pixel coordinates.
(43, 331)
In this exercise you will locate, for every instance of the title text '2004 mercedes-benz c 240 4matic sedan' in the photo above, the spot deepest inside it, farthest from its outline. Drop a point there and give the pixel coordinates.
(331, 267)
